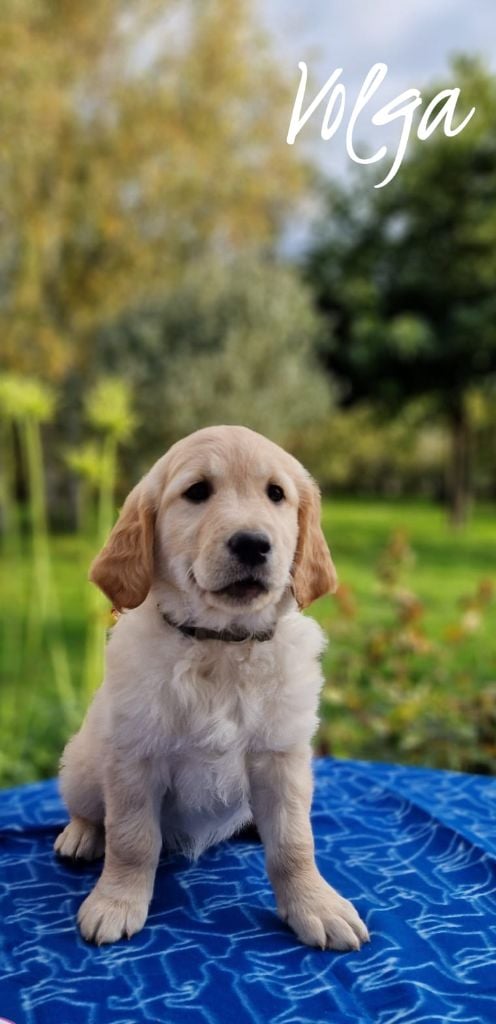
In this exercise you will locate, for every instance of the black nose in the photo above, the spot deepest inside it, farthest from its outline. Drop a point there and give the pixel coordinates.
(249, 548)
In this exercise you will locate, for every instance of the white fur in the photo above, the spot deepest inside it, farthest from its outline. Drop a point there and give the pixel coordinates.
(194, 709)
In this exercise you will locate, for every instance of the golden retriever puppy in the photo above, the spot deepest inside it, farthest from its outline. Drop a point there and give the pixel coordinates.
(209, 703)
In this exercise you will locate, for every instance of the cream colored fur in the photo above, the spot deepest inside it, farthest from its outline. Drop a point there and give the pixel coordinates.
(188, 739)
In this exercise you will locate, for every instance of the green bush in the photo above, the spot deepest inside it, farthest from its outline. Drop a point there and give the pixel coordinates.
(396, 691)
(353, 451)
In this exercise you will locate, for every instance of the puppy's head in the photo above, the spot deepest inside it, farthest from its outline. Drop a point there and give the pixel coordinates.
(226, 518)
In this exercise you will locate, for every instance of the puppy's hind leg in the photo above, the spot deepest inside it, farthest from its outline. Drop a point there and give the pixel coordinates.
(81, 789)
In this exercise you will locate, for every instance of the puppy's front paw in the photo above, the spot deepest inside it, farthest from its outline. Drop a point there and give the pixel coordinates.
(81, 839)
(321, 917)
(104, 918)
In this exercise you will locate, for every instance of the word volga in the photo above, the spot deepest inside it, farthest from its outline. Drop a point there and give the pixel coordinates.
(440, 109)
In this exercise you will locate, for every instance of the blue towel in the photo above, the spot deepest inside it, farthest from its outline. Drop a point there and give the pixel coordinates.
(413, 848)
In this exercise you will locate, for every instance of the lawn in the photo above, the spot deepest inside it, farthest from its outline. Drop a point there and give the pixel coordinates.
(410, 669)
(446, 563)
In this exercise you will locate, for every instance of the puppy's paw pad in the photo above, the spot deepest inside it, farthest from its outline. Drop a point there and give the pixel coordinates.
(80, 839)
(104, 919)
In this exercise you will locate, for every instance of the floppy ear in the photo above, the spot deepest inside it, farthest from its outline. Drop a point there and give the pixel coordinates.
(124, 567)
(313, 569)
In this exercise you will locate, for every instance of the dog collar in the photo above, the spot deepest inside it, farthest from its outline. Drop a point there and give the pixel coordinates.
(228, 636)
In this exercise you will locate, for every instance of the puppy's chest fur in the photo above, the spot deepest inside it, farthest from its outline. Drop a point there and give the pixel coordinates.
(205, 706)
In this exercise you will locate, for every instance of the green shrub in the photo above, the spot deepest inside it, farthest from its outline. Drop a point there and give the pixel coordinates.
(396, 691)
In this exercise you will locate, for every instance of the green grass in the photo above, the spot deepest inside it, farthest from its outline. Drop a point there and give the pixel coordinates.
(374, 705)
(447, 563)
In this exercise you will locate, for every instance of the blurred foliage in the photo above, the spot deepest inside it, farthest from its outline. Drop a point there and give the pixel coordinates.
(356, 451)
(33, 627)
(398, 692)
(109, 408)
(25, 404)
(22, 397)
(136, 137)
(87, 462)
(359, 450)
(145, 183)
(233, 344)
(405, 277)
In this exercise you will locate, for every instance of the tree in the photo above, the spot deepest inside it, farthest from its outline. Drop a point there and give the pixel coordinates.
(406, 278)
(234, 343)
(136, 136)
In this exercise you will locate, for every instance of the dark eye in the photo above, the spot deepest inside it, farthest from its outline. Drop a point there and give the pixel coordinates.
(275, 493)
(198, 492)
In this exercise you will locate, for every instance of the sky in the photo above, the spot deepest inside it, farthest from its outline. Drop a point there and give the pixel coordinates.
(415, 38)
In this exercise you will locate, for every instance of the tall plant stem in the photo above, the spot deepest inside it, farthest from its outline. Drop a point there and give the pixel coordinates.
(45, 610)
(107, 487)
(11, 634)
(11, 645)
(97, 605)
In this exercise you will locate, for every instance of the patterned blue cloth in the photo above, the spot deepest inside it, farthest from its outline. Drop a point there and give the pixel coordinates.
(414, 849)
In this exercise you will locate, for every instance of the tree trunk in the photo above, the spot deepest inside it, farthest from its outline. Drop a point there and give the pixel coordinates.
(460, 475)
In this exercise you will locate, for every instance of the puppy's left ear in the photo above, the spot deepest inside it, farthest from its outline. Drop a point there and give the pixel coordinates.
(124, 567)
(313, 568)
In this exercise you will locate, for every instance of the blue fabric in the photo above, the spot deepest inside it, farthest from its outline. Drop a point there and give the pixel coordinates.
(414, 849)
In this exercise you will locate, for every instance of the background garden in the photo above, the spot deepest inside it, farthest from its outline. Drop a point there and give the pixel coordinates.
(150, 284)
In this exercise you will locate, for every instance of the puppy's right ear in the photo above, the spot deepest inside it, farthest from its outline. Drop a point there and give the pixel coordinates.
(124, 567)
(313, 569)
